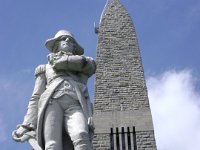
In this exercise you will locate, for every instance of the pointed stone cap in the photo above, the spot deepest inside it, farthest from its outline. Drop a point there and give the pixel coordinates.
(107, 4)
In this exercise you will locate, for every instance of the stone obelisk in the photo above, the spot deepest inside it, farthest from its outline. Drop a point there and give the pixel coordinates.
(122, 113)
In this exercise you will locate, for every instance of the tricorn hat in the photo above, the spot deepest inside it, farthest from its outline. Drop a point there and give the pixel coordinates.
(78, 50)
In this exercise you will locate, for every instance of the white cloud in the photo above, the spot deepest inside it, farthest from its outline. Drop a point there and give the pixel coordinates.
(25, 71)
(194, 11)
(4, 84)
(175, 108)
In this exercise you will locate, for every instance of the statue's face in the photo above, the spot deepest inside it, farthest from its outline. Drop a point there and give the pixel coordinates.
(65, 44)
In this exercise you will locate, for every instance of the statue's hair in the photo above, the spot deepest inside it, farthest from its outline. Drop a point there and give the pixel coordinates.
(55, 47)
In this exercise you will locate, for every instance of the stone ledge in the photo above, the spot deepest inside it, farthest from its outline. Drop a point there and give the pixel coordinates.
(141, 119)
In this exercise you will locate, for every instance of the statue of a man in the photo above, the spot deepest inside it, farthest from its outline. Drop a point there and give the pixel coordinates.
(59, 109)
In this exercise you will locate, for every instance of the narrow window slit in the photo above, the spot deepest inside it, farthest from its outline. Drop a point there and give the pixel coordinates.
(134, 139)
(123, 139)
(129, 138)
(111, 139)
(117, 136)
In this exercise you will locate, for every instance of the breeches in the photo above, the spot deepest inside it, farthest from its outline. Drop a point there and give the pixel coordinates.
(65, 116)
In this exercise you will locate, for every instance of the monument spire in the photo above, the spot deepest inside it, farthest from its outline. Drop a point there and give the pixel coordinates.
(121, 107)
(109, 2)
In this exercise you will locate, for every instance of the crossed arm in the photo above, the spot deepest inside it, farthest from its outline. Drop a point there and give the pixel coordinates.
(75, 63)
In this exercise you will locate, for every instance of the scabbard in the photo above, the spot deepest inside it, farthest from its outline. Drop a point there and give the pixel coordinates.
(34, 144)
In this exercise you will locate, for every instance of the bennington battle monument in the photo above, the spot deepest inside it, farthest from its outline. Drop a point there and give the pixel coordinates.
(122, 115)
(60, 115)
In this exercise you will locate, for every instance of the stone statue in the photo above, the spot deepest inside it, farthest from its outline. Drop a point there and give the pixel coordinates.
(59, 114)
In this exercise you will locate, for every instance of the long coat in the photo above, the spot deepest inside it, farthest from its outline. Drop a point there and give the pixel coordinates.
(43, 91)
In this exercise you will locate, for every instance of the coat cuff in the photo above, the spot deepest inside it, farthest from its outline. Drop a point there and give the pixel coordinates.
(29, 126)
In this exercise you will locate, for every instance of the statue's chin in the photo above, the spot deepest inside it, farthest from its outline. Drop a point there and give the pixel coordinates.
(66, 49)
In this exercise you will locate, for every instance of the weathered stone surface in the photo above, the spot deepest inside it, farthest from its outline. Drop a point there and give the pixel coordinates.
(121, 99)
(119, 67)
(59, 114)
(145, 140)
(101, 142)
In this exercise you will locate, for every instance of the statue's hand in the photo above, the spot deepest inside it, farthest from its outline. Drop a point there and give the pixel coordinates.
(51, 58)
(89, 58)
(62, 53)
(54, 57)
(91, 123)
(18, 135)
(91, 127)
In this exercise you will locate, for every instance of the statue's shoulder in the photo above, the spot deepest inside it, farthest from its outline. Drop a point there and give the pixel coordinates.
(40, 69)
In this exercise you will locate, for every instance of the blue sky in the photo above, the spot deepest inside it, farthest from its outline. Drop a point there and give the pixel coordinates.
(168, 34)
